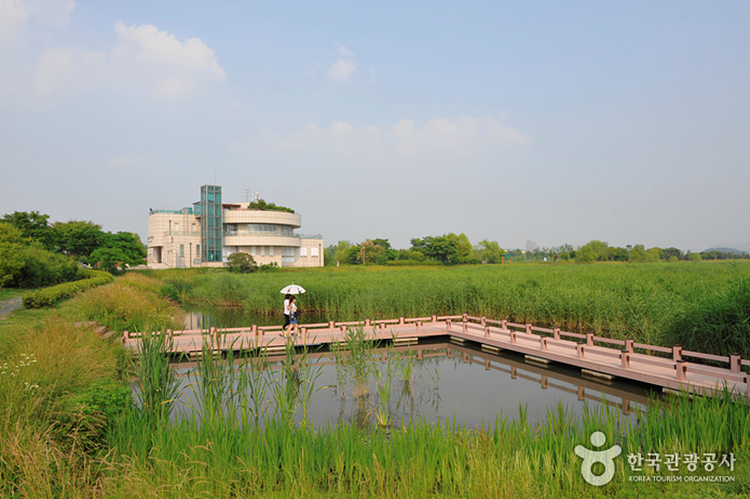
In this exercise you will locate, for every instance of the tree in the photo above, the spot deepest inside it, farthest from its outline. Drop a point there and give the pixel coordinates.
(76, 238)
(637, 254)
(653, 254)
(242, 263)
(11, 263)
(586, 254)
(489, 251)
(33, 225)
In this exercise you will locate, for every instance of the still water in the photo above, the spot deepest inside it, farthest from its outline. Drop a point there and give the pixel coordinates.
(434, 380)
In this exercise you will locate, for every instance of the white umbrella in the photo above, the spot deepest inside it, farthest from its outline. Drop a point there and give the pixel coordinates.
(293, 289)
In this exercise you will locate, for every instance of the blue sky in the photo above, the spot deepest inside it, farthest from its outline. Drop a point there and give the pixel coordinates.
(555, 122)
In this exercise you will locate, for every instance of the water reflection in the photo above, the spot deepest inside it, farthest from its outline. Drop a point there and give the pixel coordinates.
(436, 381)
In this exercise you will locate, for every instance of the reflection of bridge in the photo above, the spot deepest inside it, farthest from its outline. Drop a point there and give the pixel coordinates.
(594, 389)
(665, 367)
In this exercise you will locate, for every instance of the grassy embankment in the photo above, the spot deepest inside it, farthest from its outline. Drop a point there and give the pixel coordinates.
(67, 429)
(62, 387)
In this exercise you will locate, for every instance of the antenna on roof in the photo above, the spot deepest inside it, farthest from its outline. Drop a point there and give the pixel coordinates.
(253, 192)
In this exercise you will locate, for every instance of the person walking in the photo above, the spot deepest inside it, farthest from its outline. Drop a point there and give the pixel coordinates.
(287, 301)
(293, 315)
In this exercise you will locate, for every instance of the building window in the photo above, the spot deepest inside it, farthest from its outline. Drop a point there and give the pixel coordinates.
(182, 251)
(197, 250)
(262, 251)
(270, 251)
(303, 251)
(313, 251)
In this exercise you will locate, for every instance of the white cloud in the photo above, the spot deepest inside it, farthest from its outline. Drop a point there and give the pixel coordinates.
(167, 66)
(15, 15)
(343, 51)
(343, 69)
(13, 18)
(61, 69)
(438, 138)
(51, 12)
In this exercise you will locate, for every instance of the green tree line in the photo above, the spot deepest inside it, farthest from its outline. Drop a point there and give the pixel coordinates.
(452, 249)
(35, 253)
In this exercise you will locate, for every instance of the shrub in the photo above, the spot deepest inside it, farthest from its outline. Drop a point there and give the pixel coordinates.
(49, 297)
(406, 263)
(241, 262)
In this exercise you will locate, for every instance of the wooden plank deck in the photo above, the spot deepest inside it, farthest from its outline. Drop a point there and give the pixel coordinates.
(626, 360)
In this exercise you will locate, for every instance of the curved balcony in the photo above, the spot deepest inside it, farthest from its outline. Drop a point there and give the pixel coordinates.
(257, 239)
(262, 217)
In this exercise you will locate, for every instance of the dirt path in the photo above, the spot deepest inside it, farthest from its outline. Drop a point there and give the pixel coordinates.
(7, 306)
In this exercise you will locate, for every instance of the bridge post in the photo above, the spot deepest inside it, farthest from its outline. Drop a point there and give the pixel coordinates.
(331, 325)
(304, 335)
(483, 321)
(343, 328)
(125, 336)
(528, 328)
(448, 324)
(255, 330)
(401, 321)
(579, 349)
(735, 364)
(676, 353)
(419, 326)
(556, 333)
(504, 325)
(260, 335)
(681, 366)
(590, 339)
(543, 343)
(465, 317)
(625, 358)
(512, 336)
(466, 327)
(434, 318)
(629, 344)
(486, 331)
(367, 322)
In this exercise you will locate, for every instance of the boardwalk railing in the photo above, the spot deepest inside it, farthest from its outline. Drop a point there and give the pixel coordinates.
(667, 367)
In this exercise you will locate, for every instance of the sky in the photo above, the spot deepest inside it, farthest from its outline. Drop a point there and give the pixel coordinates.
(551, 122)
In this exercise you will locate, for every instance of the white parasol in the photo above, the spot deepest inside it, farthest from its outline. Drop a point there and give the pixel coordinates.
(293, 289)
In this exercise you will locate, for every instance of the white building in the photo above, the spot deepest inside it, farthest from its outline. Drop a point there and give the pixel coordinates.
(204, 235)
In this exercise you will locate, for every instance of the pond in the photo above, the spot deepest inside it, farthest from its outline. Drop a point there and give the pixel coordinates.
(435, 380)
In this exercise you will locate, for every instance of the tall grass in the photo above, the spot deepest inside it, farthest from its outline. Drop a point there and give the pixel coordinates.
(643, 301)
(130, 303)
(717, 322)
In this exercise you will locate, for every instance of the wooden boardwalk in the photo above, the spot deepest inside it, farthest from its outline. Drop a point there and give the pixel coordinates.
(665, 367)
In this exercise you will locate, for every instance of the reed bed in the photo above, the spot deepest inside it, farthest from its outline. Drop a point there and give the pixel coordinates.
(647, 302)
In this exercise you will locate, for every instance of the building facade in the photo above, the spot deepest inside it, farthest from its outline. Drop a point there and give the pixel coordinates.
(206, 234)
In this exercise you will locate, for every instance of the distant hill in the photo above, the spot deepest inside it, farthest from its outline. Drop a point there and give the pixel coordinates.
(725, 250)
(731, 247)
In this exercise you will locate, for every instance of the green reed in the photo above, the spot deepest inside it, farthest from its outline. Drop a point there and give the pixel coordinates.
(619, 300)
(506, 458)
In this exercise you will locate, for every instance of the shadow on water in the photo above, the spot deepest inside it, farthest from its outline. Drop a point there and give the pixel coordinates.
(436, 380)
